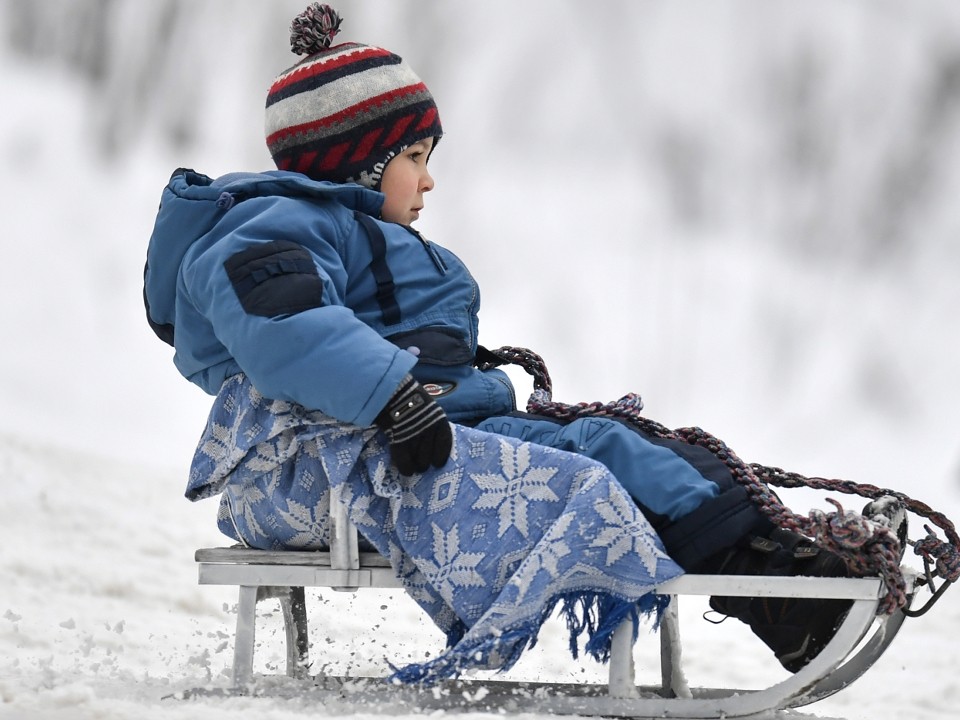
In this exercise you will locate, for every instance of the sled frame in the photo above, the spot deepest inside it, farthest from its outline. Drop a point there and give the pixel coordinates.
(858, 643)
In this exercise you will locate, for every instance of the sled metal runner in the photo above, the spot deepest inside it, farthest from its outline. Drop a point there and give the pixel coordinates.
(858, 643)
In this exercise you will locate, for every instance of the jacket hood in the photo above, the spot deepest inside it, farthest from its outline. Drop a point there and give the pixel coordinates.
(193, 203)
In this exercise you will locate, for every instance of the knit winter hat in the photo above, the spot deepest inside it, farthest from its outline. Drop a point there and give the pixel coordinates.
(344, 111)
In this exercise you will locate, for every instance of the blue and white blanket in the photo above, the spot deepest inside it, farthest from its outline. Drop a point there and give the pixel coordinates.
(490, 545)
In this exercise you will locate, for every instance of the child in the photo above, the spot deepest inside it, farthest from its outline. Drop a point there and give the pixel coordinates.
(342, 349)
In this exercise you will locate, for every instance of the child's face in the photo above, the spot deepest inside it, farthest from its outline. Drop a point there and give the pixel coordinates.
(405, 180)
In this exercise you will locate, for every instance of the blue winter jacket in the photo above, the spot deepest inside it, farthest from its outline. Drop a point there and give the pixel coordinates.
(297, 284)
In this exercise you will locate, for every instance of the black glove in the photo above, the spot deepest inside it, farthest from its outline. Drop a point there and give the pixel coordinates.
(417, 428)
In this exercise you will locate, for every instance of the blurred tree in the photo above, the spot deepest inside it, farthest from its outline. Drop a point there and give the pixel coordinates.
(832, 131)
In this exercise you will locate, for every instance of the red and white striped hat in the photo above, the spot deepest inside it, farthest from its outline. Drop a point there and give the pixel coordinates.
(341, 113)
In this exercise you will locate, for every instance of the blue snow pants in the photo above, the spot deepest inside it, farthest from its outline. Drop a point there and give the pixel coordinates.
(684, 490)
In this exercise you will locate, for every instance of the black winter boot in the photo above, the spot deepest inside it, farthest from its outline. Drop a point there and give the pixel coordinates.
(729, 535)
(796, 629)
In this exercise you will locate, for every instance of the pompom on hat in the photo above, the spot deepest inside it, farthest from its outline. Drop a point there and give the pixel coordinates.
(345, 110)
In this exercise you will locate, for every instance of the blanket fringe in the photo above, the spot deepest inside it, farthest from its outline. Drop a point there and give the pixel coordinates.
(593, 614)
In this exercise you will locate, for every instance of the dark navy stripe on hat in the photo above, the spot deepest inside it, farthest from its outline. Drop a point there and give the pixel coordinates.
(312, 81)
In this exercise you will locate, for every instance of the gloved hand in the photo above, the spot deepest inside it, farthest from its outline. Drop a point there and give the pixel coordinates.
(417, 428)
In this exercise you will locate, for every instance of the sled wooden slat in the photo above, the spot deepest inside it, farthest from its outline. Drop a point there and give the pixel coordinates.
(260, 574)
(229, 566)
(242, 555)
(757, 586)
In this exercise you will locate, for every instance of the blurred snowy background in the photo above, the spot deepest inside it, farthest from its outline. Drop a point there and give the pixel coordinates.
(745, 211)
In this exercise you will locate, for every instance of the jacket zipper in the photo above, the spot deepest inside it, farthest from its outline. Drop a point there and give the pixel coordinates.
(431, 251)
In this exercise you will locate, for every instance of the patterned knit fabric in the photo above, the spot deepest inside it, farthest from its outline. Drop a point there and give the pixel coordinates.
(344, 111)
(489, 545)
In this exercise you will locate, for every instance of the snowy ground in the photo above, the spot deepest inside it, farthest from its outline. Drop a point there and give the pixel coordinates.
(102, 617)
(100, 613)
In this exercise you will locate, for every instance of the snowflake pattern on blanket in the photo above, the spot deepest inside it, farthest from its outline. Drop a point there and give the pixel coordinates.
(490, 545)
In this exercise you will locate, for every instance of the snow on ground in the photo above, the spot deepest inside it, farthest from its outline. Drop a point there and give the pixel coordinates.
(101, 616)
(100, 613)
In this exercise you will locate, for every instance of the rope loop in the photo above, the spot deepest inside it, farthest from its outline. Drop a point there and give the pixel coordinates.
(848, 529)
(946, 557)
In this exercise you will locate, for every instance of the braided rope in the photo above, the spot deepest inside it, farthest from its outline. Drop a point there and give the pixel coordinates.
(867, 547)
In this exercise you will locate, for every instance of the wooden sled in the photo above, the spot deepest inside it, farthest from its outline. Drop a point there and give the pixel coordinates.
(859, 642)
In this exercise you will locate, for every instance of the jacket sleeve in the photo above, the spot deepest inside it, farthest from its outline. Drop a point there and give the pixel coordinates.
(276, 303)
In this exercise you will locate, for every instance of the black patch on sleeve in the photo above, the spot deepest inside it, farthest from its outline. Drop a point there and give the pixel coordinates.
(275, 278)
